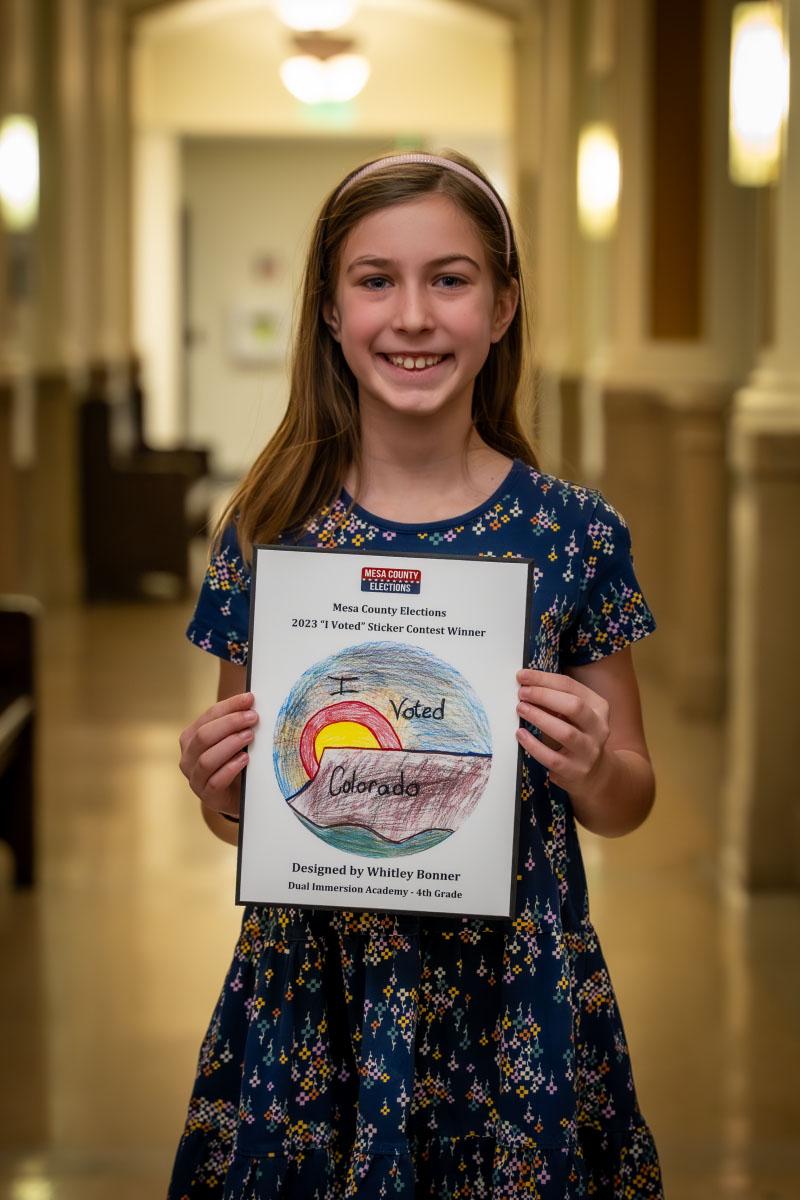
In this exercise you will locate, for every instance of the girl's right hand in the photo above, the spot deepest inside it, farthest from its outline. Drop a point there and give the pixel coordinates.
(214, 751)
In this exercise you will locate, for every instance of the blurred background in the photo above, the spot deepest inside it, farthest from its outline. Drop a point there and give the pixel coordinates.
(160, 166)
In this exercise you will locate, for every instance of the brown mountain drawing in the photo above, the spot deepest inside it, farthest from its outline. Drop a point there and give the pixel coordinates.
(395, 793)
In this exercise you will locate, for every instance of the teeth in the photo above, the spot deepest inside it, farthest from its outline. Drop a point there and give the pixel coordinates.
(415, 364)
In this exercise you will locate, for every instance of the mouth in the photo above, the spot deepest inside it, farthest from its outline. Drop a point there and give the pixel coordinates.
(415, 364)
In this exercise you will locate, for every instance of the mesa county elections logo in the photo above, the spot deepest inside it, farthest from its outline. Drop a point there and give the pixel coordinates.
(382, 749)
(391, 579)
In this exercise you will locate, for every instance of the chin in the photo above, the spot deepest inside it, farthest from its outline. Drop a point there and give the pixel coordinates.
(418, 408)
(421, 405)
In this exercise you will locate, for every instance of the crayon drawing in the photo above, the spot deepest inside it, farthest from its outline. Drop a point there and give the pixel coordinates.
(382, 749)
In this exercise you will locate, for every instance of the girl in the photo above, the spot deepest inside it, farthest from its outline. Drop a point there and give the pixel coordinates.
(357, 1054)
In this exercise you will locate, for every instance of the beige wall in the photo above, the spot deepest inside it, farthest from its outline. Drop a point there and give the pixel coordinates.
(438, 67)
(273, 188)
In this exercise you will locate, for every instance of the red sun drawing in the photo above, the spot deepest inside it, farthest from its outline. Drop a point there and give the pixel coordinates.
(350, 723)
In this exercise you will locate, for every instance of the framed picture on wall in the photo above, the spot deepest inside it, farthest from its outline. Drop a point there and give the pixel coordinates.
(256, 334)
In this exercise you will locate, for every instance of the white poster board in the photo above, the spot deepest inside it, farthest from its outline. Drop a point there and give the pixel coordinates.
(384, 773)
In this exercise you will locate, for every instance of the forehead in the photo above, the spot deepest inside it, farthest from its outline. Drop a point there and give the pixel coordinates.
(429, 226)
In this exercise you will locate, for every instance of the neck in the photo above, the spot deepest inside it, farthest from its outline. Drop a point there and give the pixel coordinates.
(423, 468)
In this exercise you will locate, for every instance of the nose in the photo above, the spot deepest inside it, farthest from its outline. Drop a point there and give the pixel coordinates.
(412, 312)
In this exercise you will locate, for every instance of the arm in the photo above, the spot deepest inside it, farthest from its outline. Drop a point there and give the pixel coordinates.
(214, 751)
(594, 744)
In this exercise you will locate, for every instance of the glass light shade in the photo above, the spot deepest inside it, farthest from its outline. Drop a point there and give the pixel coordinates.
(598, 180)
(304, 76)
(305, 15)
(19, 172)
(317, 81)
(346, 76)
(759, 93)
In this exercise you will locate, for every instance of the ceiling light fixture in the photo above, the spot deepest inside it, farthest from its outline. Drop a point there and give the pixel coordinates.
(308, 15)
(325, 70)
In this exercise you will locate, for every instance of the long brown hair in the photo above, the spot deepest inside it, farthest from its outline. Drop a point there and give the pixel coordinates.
(304, 464)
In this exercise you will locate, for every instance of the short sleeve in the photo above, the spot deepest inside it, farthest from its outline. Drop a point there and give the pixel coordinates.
(221, 621)
(611, 612)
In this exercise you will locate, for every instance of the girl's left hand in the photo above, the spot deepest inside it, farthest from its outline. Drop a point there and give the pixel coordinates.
(575, 723)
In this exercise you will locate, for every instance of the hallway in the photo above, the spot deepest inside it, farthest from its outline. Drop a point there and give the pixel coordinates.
(122, 949)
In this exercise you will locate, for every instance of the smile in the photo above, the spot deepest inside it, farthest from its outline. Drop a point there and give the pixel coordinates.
(415, 362)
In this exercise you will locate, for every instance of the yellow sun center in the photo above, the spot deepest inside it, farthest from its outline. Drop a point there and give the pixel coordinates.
(352, 734)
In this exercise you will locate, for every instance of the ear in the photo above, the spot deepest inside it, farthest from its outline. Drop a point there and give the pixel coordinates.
(330, 315)
(505, 305)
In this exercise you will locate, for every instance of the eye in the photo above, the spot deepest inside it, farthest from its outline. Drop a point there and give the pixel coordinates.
(449, 282)
(375, 283)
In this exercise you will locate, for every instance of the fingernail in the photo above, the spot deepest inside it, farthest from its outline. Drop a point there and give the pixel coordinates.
(246, 735)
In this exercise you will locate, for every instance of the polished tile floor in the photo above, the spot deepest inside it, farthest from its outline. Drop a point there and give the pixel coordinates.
(110, 968)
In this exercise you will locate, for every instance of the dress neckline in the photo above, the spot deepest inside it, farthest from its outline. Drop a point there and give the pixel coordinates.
(412, 527)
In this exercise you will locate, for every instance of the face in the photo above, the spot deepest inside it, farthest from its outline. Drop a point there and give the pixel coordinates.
(415, 309)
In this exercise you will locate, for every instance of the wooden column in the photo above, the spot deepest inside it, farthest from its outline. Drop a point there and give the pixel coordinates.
(697, 534)
(555, 309)
(762, 814)
(639, 483)
(762, 843)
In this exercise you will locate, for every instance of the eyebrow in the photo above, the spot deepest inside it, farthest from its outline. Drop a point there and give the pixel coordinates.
(369, 260)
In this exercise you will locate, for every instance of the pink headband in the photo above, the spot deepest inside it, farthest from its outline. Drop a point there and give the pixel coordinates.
(435, 161)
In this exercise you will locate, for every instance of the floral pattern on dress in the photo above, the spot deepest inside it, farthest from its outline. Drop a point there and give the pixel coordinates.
(228, 581)
(374, 1055)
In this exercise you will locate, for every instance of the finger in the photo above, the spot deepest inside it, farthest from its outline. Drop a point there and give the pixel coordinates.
(212, 732)
(546, 678)
(566, 703)
(549, 758)
(590, 723)
(550, 683)
(217, 755)
(531, 675)
(232, 704)
(570, 701)
(563, 732)
(551, 680)
(586, 712)
(216, 795)
(214, 743)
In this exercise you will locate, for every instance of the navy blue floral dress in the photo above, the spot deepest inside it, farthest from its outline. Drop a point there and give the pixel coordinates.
(371, 1055)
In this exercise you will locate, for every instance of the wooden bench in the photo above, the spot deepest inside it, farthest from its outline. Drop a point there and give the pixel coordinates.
(140, 507)
(18, 616)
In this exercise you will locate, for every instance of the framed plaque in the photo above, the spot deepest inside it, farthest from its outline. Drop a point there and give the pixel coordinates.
(384, 773)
